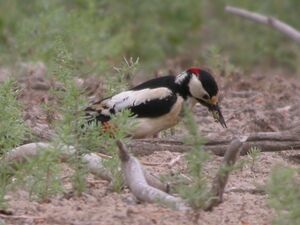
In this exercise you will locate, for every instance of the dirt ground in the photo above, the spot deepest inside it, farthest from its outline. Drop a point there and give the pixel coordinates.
(257, 102)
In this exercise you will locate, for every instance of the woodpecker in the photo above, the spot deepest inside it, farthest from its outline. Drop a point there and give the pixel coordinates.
(157, 104)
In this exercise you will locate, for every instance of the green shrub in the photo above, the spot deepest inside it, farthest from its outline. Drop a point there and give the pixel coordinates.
(41, 175)
(98, 33)
(197, 192)
(13, 130)
(72, 129)
(284, 195)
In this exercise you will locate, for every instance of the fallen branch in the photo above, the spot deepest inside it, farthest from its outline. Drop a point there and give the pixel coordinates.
(21, 217)
(93, 161)
(174, 161)
(274, 23)
(26, 152)
(253, 191)
(221, 178)
(266, 141)
(155, 182)
(141, 189)
(95, 166)
(134, 177)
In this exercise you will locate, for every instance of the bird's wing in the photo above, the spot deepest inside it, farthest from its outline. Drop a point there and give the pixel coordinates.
(142, 103)
(134, 98)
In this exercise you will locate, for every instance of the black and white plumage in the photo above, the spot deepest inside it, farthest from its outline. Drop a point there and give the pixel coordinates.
(157, 104)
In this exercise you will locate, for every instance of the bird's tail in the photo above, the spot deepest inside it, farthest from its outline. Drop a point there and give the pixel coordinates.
(94, 115)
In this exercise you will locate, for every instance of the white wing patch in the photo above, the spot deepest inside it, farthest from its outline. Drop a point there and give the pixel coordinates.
(132, 98)
(180, 78)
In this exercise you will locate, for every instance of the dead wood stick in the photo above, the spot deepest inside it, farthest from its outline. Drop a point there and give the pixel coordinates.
(135, 179)
(93, 161)
(174, 161)
(155, 182)
(253, 191)
(22, 153)
(21, 217)
(221, 178)
(265, 146)
(140, 148)
(266, 141)
(274, 23)
(95, 166)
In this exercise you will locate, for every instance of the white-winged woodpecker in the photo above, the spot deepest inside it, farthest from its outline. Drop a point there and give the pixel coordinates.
(157, 104)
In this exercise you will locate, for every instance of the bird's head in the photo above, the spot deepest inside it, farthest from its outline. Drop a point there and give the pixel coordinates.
(204, 89)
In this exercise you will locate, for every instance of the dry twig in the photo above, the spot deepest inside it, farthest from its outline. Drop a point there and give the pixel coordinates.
(274, 23)
(174, 161)
(135, 179)
(266, 141)
(221, 178)
(28, 151)
(21, 217)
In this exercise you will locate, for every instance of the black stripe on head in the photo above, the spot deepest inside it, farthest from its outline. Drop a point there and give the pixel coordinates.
(209, 83)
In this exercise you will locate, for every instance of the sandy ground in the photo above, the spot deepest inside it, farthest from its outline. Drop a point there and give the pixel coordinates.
(250, 104)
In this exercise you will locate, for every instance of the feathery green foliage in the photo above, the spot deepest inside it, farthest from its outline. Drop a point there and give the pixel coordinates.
(113, 165)
(13, 130)
(254, 154)
(124, 72)
(41, 175)
(98, 33)
(197, 192)
(218, 63)
(71, 129)
(284, 195)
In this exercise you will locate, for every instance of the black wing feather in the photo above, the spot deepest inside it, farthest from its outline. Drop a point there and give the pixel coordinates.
(166, 81)
(154, 108)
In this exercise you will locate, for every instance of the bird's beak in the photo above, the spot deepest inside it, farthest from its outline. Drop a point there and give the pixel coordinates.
(217, 114)
(214, 108)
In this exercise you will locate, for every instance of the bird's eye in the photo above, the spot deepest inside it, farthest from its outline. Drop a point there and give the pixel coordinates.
(206, 97)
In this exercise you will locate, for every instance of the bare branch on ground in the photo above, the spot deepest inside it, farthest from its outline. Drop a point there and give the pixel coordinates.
(272, 22)
(266, 141)
(28, 151)
(222, 175)
(136, 181)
